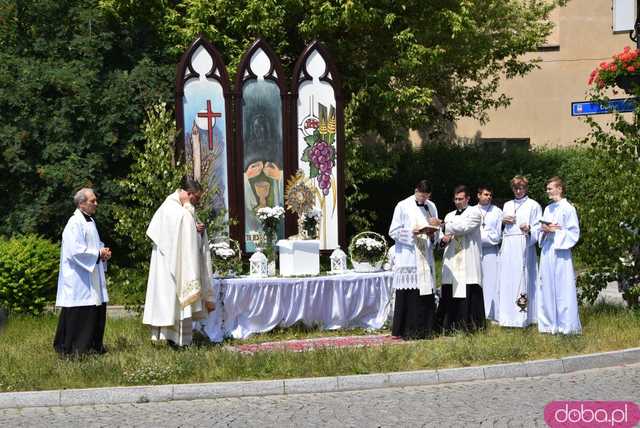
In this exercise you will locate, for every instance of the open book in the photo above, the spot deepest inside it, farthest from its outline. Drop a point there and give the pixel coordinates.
(425, 227)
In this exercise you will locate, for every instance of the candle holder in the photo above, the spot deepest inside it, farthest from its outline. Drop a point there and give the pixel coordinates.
(338, 260)
(258, 265)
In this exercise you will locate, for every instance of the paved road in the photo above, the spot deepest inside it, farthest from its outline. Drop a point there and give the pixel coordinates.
(502, 403)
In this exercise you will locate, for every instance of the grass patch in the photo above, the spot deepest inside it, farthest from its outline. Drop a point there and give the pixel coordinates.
(29, 363)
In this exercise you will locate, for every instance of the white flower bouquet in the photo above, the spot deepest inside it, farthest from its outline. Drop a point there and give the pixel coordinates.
(269, 218)
(367, 251)
(310, 221)
(226, 257)
(266, 213)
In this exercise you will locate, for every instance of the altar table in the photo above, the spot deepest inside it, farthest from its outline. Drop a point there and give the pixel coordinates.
(249, 305)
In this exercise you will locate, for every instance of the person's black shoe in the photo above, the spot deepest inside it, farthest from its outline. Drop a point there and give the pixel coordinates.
(173, 345)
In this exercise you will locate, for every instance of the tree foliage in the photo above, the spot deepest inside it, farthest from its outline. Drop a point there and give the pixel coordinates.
(72, 101)
(77, 76)
(154, 175)
(447, 165)
(610, 219)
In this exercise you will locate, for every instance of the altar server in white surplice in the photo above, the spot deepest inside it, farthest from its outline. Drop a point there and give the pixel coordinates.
(518, 261)
(414, 229)
(559, 232)
(179, 285)
(491, 233)
(461, 304)
(82, 288)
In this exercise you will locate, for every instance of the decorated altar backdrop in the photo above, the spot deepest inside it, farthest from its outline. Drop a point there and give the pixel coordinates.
(254, 305)
(273, 133)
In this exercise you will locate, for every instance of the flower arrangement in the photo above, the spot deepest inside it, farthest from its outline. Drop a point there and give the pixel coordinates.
(269, 217)
(368, 247)
(623, 66)
(226, 257)
(310, 221)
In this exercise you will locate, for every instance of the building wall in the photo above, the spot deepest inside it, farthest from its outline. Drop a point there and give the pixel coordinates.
(540, 109)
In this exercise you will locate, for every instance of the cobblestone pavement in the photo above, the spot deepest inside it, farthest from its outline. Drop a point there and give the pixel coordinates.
(502, 403)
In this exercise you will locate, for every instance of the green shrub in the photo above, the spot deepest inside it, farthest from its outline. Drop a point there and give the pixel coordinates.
(154, 175)
(128, 286)
(610, 183)
(447, 165)
(28, 273)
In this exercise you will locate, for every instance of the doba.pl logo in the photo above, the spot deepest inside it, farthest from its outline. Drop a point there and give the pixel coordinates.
(592, 414)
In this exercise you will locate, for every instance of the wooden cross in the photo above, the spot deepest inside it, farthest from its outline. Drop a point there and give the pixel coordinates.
(210, 115)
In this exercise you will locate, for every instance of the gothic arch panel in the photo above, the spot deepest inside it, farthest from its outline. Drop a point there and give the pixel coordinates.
(318, 137)
(261, 139)
(203, 115)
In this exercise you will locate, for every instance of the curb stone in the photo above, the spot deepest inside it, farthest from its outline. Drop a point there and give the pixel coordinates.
(460, 374)
(544, 367)
(145, 394)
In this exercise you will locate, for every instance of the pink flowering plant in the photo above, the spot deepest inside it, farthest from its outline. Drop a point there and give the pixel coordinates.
(623, 66)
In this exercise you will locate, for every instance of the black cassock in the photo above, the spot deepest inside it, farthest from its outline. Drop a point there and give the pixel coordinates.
(413, 314)
(81, 330)
(464, 314)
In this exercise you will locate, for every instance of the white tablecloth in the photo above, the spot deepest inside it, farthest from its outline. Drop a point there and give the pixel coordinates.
(252, 305)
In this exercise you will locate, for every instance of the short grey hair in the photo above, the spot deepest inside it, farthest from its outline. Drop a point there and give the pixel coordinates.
(81, 195)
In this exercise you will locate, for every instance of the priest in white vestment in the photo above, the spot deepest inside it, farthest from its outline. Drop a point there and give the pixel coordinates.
(518, 261)
(414, 229)
(559, 232)
(461, 304)
(82, 287)
(491, 233)
(179, 288)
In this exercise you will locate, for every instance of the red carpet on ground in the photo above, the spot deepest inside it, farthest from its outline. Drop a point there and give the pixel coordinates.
(317, 343)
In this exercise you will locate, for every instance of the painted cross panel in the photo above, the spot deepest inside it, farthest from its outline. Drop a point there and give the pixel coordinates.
(204, 121)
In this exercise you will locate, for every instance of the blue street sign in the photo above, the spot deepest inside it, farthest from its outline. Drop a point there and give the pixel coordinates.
(586, 108)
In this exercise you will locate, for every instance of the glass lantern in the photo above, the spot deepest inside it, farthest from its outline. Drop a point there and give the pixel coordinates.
(338, 260)
(258, 264)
